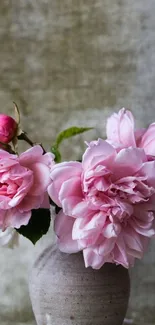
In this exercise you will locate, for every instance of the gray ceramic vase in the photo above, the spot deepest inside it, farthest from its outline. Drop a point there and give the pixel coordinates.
(64, 292)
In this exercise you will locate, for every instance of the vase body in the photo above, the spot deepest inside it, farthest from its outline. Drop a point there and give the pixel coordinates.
(64, 292)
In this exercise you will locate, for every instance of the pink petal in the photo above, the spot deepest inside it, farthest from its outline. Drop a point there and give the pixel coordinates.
(22, 191)
(92, 259)
(15, 219)
(41, 178)
(125, 206)
(112, 128)
(148, 171)
(132, 239)
(53, 193)
(69, 204)
(98, 151)
(112, 230)
(141, 230)
(120, 128)
(45, 203)
(63, 228)
(83, 228)
(126, 130)
(7, 164)
(143, 214)
(5, 154)
(59, 174)
(148, 140)
(4, 202)
(106, 246)
(31, 155)
(3, 214)
(128, 162)
(134, 253)
(101, 203)
(138, 135)
(121, 257)
(70, 194)
(47, 159)
(102, 184)
(81, 210)
(88, 240)
(71, 187)
(30, 202)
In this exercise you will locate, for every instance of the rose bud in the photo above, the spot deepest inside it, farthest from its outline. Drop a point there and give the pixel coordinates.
(8, 128)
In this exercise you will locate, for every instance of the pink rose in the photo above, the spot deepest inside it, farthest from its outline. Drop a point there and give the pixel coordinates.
(107, 202)
(122, 134)
(8, 128)
(23, 185)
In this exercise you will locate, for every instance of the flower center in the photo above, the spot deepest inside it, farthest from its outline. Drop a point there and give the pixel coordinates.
(115, 198)
(8, 189)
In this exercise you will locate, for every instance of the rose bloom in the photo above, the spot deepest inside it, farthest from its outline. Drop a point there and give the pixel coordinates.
(8, 128)
(107, 202)
(23, 185)
(121, 133)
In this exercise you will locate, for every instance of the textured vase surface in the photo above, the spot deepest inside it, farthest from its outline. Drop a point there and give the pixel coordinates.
(64, 292)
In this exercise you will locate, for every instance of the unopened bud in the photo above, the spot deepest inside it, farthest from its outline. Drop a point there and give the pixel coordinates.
(8, 128)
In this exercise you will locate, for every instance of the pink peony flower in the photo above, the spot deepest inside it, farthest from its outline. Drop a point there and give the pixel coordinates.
(107, 202)
(8, 128)
(122, 134)
(23, 185)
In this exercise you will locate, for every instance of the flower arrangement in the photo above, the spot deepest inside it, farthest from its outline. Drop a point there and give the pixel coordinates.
(104, 203)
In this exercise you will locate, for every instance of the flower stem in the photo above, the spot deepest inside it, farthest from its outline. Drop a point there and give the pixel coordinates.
(7, 148)
(23, 136)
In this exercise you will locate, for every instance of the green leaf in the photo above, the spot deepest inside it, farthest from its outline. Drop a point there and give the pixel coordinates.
(68, 133)
(37, 226)
(57, 153)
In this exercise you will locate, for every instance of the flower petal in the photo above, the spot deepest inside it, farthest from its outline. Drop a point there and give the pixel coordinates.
(92, 259)
(15, 219)
(59, 174)
(63, 228)
(128, 162)
(120, 128)
(112, 230)
(98, 151)
(106, 246)
(31, 155)
(41, 178)
(148, 140)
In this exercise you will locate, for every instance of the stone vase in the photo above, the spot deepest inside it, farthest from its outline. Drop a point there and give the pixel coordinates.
(64, 292)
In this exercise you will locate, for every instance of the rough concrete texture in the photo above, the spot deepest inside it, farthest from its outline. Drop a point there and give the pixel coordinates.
(74, 295)
(73, 62)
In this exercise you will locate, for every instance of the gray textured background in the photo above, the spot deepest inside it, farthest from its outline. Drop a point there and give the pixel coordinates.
(68, 62)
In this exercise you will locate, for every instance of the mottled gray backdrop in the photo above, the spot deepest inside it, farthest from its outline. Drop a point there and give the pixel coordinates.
(72, 62)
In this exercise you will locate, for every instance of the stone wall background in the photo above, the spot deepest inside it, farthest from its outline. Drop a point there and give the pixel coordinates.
(73, 62)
